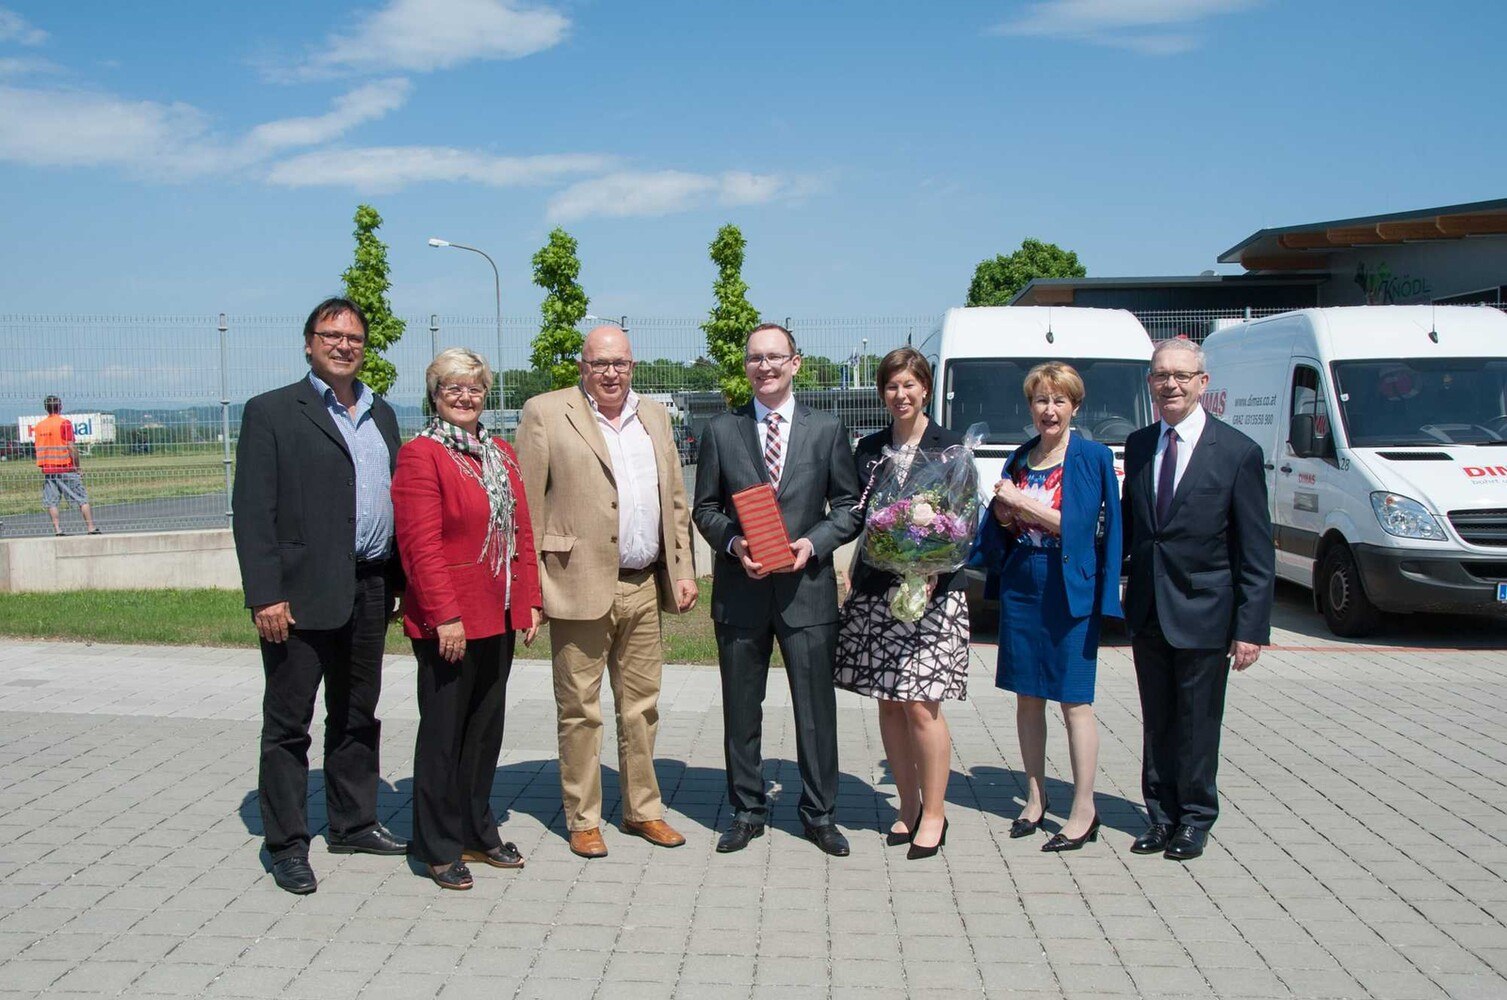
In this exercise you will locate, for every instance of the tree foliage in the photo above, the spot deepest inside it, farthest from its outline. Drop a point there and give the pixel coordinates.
(728, 325)
(366, 284)
(996, 281)
(558, 343)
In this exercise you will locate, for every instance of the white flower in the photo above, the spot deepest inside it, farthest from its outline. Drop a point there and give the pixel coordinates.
(922, 514)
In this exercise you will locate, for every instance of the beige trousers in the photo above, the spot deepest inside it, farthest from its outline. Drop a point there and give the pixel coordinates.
(626, 643)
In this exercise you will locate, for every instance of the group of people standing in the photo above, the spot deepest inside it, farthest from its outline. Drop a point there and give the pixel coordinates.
(340, 527)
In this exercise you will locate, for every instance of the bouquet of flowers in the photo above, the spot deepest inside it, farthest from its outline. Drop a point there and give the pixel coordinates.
(923, 516)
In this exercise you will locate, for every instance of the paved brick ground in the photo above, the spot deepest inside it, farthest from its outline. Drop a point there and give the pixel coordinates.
(1360, 852)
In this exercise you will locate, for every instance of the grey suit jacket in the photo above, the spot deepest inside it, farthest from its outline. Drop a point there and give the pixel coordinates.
(818, 497)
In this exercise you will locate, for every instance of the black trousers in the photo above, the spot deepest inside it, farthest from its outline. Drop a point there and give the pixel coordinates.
(1182, 713)
(744, 655)
(349, 661)
(461, 710)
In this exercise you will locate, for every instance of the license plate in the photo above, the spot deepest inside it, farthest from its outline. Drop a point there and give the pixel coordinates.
(1502, 593)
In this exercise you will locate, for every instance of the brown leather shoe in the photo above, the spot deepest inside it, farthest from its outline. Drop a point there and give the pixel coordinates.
(655, 831)
(588, 843)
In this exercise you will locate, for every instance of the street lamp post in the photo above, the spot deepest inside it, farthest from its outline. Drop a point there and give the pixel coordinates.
(497, 287)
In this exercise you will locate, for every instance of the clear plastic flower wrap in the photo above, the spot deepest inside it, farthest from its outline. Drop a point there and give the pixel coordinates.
(922, 517)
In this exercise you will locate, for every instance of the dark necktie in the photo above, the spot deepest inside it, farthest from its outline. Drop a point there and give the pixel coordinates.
(1166, 478)
(772, 447)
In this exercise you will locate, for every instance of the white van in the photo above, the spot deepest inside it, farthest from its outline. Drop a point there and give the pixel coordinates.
(1399, 504)
(980, 356)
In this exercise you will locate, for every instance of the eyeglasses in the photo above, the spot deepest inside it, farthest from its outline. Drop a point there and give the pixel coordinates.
(332, 339)
(1181, 378)
(457, 391)
(620, 365)
(772, 360)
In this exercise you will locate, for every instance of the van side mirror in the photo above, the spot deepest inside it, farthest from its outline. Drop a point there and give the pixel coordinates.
(1300, 437)
(1310, 437)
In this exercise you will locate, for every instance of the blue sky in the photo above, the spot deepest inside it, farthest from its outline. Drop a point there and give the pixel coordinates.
(167, 156)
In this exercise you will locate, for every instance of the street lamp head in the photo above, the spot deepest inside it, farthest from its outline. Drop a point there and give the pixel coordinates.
(438, 242)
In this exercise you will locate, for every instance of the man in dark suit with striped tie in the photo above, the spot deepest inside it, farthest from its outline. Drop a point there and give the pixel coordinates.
(805, 456)
(1198, 598)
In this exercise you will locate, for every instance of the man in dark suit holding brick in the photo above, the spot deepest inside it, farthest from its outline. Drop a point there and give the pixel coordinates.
(805, 456)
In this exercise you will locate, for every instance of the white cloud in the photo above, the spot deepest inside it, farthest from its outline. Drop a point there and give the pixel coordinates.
(13, 66)
(665, 192)
(388, 168)
(14, 28)
(425, 35)
(364, 104)
(1146, 26)
(56, 128)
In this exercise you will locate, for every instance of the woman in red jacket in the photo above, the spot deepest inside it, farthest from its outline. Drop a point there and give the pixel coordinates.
(468, 550)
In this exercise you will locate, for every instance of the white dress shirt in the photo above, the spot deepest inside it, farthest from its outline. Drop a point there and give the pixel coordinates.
(1188, 432)
(637, 474)
(786, 410)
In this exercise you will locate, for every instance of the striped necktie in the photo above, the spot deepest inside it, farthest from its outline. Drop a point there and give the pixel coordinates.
(772, 449)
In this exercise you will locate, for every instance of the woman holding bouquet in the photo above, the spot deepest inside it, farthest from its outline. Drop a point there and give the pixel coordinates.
(1055, 538)
(910, 667)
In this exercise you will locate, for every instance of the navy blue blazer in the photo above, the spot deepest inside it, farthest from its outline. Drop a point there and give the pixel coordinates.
(1090, 565)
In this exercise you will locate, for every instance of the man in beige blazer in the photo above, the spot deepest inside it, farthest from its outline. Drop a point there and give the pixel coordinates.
(613, 533)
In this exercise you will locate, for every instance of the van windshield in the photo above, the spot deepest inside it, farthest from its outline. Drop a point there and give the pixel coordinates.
(1116, 399)
(1407, 401)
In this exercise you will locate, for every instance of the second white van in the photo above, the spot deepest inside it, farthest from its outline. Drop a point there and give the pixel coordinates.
(1385, 435)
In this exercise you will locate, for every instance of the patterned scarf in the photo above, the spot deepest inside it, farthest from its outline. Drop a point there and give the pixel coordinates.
(497, 548)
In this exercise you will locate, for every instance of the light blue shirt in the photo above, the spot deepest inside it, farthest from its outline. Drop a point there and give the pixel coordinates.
(363, 439)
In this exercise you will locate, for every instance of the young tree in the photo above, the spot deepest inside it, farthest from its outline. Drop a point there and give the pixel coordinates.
(996, 281)
(558, 343)
(732, 318)
(366, 284)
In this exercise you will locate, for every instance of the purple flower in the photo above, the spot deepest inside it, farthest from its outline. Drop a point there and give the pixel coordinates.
(883, 519)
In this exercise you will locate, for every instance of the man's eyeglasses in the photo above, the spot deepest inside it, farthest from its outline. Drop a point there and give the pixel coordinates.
(332, 339)
(1181, 378)
(772, 360)
(457, 391)
(621, 365)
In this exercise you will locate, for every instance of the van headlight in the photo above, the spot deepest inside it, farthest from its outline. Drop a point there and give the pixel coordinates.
(1405, 517)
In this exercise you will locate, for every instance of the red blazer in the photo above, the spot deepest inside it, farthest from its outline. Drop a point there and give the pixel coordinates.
(441, 520)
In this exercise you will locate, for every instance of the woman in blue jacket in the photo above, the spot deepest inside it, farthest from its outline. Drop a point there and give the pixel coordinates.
(1054, 537)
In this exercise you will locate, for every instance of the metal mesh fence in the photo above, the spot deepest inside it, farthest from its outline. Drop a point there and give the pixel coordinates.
(158, 399)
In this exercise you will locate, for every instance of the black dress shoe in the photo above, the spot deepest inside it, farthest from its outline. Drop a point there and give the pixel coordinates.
(1062, 842)
(917, 852)
(829, 839)
(893, 839)
(455, 876)
(1153, 841)
(506, 856)
(294, 875)
(738, 836)
(1186, 844)
(1023, 827)
(377, 840)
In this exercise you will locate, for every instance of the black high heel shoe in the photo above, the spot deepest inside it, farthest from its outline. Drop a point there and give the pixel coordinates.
(893, 839)
(918, 852)
(1061, 843)
(1025, 827)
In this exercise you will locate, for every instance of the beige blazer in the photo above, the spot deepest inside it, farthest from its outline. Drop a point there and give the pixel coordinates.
(572, 497)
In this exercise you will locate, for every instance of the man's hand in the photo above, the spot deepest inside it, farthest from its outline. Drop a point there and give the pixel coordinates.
(532, 632)
(802, 549)
(1243, 654)
(452, 640)
(754, 570)
(686, 594)
(273, 621)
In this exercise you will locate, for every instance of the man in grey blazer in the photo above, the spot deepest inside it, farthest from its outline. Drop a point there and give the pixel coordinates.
(806, 457)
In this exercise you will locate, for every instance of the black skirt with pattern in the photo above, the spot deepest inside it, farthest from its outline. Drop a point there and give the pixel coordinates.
(879, 656)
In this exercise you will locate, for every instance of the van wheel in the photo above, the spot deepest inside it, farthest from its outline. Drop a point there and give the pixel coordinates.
(1347, 609)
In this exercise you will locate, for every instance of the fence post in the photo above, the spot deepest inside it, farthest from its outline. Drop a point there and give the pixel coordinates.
(434, 335)
(225, 411)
